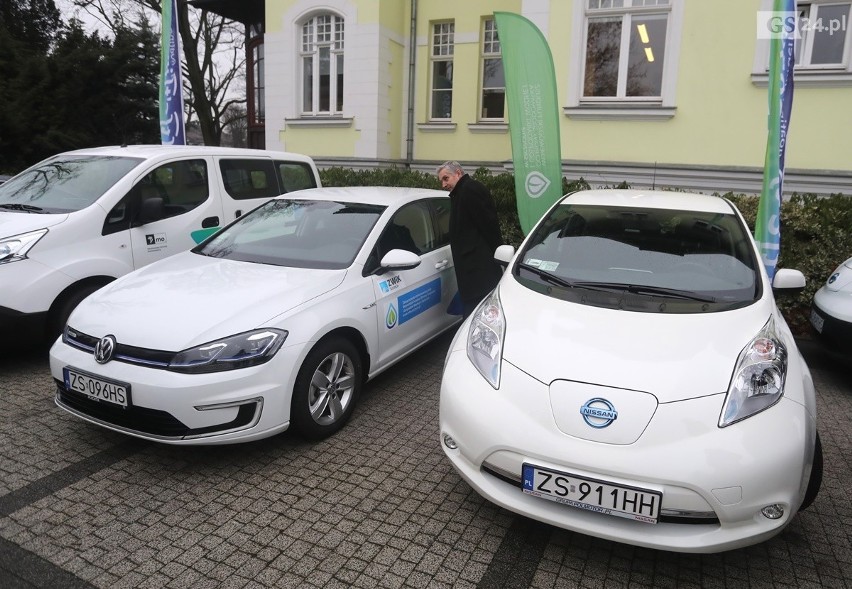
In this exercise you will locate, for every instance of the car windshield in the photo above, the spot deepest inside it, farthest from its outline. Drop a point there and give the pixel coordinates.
(296, 233)
(619, 256)
(64, 184)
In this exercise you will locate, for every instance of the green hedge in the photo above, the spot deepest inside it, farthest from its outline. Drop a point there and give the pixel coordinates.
(816, 232)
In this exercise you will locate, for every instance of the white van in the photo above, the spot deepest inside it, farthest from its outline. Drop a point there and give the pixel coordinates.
(78, 220)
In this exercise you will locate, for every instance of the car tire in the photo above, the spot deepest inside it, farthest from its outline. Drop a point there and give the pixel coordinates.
(816, 477)
(327, 388)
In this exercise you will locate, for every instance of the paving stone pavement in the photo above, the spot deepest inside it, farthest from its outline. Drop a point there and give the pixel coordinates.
(377, 505)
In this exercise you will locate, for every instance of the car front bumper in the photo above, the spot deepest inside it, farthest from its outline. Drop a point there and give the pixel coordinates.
(830, 317)
(714, 481)
(174, 408)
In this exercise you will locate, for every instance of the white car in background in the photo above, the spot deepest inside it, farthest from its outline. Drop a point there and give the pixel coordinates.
(631, 378)
(80, 219)
(831, 311)
(277, 320)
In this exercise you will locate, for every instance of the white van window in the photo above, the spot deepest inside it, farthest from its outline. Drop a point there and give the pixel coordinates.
(249, 178)
(65, 183)
(182, 185)
(295, 176)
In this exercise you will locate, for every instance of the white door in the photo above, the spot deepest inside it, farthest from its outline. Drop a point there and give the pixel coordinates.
(191, 210)
(412, 304)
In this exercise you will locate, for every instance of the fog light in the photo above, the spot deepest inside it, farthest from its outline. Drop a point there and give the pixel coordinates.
(773, 511)
(449, 442)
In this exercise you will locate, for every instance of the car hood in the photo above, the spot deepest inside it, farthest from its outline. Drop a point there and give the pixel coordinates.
(17, 222)
(189, 299)
(671, 356)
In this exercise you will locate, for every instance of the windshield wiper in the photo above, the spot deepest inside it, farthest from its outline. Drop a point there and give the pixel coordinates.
(639, 289)
(642, 289)
(554, 279)
(21, 207)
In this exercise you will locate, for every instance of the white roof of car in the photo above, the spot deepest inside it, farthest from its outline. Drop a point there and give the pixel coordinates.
(373, 195)
(151, 151)
(651, 199)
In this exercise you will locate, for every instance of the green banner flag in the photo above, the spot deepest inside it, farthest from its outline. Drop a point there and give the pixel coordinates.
(533, 116)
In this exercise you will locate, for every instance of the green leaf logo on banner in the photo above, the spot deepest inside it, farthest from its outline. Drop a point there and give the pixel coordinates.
(533, 116)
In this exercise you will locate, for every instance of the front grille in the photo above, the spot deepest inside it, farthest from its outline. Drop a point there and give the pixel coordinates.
(142, 419)
(666, 516)
(123, 353)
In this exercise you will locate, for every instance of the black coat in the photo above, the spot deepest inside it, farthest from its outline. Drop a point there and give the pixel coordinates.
(474, 235)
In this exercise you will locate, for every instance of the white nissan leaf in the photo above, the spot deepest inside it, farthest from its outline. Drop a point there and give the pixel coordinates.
(631, 378)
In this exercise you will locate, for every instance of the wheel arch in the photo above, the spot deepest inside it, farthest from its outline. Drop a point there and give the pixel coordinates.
(357, 339)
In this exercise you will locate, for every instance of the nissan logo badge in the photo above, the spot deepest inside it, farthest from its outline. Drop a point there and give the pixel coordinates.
(598, 413)
(104, 349)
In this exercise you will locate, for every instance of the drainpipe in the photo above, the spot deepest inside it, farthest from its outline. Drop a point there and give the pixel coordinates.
(409, 141)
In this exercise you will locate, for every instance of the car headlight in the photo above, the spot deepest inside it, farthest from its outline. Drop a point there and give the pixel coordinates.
(485, 338)
(16, 247)
(759, 376)
(230, 353)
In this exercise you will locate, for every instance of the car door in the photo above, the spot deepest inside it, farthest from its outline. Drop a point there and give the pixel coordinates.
(189, 210)
(412, 304)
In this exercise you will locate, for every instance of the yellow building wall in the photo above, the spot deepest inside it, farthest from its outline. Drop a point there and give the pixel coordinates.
(721, 115)
(460, 144)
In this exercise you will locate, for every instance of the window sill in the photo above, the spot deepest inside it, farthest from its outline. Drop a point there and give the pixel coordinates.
(621, 111)
(319, 122)
(811, 79)
(488, 127)
(436, 127)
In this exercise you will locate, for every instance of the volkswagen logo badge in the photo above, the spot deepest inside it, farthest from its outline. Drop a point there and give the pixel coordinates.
(104, 349)
(598, 413)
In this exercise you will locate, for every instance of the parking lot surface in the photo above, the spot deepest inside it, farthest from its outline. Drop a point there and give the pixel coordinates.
(377, 505)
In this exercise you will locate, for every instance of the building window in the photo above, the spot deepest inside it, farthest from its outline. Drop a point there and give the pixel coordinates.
(625, 49)
(824, 30)
(442, 70)
(493, 97)
(322, 65)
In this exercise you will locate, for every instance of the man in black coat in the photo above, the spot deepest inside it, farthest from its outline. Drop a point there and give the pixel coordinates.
(474, 235)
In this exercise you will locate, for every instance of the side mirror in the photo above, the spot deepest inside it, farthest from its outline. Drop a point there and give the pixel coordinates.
(152, 209)
(504, 254)
(788, 281)
(398, 260)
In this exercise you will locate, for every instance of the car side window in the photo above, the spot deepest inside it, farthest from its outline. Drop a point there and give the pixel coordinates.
(410, 229)
(246, 179)
(295, 176)
(182, 185)
(441, 214)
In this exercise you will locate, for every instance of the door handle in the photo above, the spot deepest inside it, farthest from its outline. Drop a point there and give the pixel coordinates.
(442, 264)
(210, 222)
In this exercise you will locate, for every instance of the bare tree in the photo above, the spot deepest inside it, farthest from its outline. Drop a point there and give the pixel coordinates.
(213, 50)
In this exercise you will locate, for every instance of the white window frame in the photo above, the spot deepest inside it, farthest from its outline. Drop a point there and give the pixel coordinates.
(490, 49)
(805, 73)
(623, 107)
(441, 50)
(312, 42)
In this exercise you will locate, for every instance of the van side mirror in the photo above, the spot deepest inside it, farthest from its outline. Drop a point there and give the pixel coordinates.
(151, 209)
